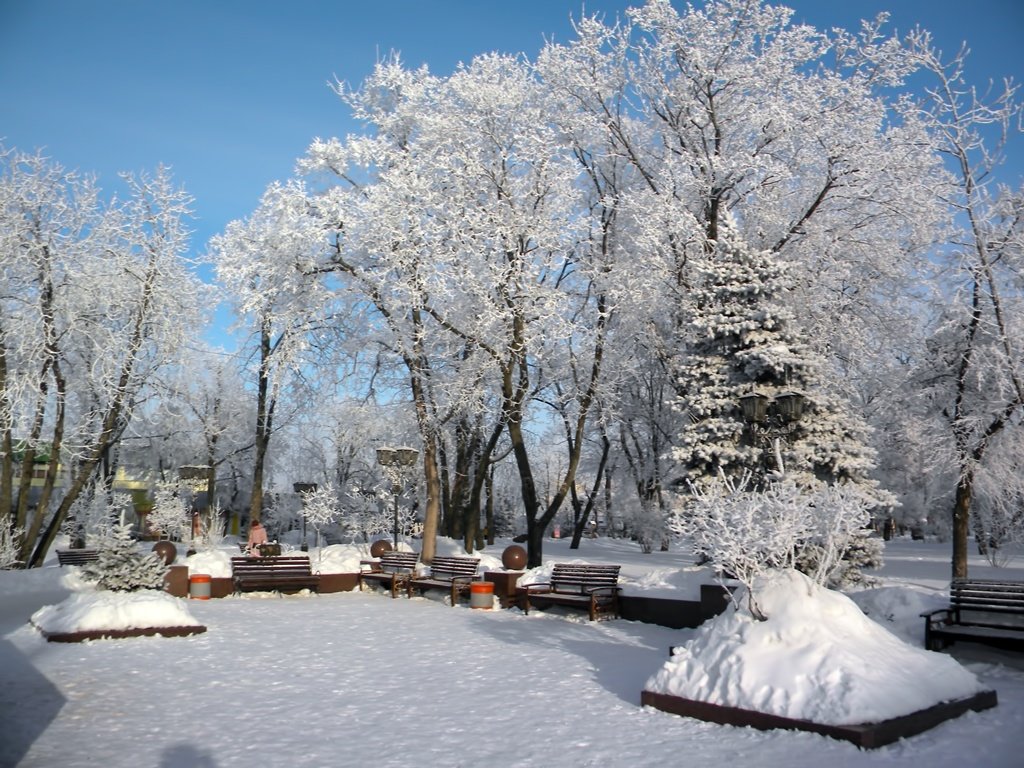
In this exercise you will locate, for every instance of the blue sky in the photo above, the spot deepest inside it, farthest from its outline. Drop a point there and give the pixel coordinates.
(230, 92)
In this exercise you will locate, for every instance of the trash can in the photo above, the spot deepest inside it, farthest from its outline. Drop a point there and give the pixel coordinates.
(199, 586)
(481, 595)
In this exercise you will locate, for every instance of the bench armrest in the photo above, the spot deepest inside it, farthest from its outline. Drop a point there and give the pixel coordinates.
(538, 587)
(929, 616)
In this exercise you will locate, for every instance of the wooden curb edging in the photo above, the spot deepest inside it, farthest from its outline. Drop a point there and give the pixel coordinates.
(116, 634)
(864, 735)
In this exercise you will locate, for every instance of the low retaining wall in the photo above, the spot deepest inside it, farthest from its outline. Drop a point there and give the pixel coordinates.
(676, 614)
(338, 582)
(176, 583)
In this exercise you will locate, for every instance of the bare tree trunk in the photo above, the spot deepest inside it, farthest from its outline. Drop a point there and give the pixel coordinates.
(961, 523)
(264, 422)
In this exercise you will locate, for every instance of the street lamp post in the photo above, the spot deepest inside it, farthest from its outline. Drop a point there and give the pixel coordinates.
(302, 489)
(395, 461)
(772, 419)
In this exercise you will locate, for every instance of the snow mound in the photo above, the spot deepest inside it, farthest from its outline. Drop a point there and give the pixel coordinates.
(899, 609)
(340, 558)
(817, 657)
(215, 563)
(455, 548)
(101, 610)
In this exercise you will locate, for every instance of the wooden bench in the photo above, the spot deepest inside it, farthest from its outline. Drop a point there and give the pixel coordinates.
(76, 556)
(452, 573)
(578, 585)
(273, 574)
(392, 571)
(980, 611)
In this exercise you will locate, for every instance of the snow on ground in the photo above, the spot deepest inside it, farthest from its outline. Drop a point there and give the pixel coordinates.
(358, 678)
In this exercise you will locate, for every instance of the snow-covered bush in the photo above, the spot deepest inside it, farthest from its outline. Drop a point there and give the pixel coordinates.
(170, 515)
(9, 538)
(644, 521)
(120, 567)
(861, 551)
(374, 515)
(744, 532)
(210, 533)
(320, 508)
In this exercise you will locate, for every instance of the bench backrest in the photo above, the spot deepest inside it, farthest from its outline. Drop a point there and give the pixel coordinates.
(582, 577)
(398, 561)
(987, 595)
(76, 556)
(271, 566)
(988, 602)
(448, 568)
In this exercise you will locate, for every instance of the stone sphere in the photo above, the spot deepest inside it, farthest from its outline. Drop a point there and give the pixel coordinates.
(514, 558)
(379, 547)
(166, 551)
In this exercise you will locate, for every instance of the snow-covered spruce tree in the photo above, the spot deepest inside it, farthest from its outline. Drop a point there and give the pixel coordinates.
(120, 567)
(744, 337)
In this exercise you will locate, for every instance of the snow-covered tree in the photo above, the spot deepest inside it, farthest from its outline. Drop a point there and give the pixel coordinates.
(973, 368)
(263, 263)
(120, 567)
(170, 517)
(743, 338)
(96, 301)
(320, 508)
(9, 546)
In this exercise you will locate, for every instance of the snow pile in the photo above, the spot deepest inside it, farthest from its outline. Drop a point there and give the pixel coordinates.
(90, 611)
(899, 609)
(671, 583)
(454, 548)
(817, 657)
(215, 563)
(340, 558)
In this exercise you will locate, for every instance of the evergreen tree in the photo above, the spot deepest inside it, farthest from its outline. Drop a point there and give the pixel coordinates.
(120, 567)
(743, 337)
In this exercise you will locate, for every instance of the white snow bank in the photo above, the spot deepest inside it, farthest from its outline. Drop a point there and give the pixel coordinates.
(215, 563)
(86, 611)
(339, 558)
(817, 657)
(668, 583)
(899, 609)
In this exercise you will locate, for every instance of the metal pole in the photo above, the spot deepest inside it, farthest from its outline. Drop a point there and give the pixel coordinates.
(395, 489)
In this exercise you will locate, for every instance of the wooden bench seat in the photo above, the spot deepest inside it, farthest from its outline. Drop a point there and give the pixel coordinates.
(593, 588)
(451, 573)
(392, 571)
(984, 611)
(76, 556)
(273, 574)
